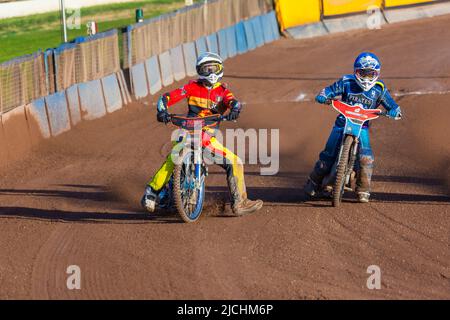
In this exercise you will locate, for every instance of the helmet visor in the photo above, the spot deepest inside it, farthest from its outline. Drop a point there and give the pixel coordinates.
(367, 74)
(210, 68)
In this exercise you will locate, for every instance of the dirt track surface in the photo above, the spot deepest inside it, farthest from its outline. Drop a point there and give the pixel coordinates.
(75, 200)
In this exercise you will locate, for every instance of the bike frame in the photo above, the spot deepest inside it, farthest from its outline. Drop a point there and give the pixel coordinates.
(355, 116)
(193, 125)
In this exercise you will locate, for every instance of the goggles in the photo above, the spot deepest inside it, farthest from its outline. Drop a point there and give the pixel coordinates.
(210, 68)
(367, 74)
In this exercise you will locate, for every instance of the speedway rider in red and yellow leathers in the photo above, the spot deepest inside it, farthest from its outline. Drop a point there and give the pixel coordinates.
(205, 96)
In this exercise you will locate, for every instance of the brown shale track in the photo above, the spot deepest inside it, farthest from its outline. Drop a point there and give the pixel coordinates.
(75, 200)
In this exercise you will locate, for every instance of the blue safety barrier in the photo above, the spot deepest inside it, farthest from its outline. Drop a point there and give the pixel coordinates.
(257, 30)
(138, 81)
(272, 19)
(111, 91)
(190, 58)
(251, 43)
(177, 60)
(73, 104)
(267, 28)
(223, 45)
(166, 68)
(153, 74)
(92, 104)
(241, 40)
(58, 113)
(211, 41)
(200, 44)
(39, 127)
(231, 41)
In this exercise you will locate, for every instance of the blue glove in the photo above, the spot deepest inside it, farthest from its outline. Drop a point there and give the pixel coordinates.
(235, 110)
(163, 116)
(233, 115)
(395, 113)
(321, 99)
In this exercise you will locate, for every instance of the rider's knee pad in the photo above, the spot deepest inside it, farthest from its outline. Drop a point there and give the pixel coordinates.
(366, 161)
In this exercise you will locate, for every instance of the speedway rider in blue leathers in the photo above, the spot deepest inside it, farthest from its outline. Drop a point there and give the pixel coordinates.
(363, 88)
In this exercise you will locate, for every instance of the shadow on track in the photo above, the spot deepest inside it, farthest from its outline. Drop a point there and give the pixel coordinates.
(409, 198)
(86, 216)
(100, 195)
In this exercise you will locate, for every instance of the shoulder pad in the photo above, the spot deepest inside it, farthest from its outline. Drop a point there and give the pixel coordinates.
(380, 84)
(221, 84)
(348, 77)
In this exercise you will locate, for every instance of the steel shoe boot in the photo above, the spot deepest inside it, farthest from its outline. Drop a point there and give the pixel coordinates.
(148, 200)
(246, 206)
(363, 197)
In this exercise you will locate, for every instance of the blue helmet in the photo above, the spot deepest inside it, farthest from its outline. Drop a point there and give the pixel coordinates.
(367, 70)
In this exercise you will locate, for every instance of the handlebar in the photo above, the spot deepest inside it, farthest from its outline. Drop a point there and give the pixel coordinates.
(385, 114)
(191, 123)
(382, 113)
(219, 117)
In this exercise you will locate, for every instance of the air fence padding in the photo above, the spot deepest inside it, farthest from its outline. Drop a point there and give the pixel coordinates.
(87, 59)
(157, 35)
(22, 80)
(27, 78)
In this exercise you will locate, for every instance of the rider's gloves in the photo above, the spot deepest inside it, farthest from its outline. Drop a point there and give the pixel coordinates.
(233, 115)
(235, 110)
(161, 105)
(163, 116)
(395, 113)
(321, 99)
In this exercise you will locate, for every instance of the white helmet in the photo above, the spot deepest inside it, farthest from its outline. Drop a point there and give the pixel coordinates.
(210, 67)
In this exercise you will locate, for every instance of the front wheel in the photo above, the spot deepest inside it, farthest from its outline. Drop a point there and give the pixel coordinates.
(188, 191)
(341, 171)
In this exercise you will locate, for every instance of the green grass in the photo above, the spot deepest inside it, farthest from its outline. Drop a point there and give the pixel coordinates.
(24, 35)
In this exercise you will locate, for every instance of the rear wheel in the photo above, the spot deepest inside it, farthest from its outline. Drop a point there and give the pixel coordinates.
(188, 192)
(341, 171)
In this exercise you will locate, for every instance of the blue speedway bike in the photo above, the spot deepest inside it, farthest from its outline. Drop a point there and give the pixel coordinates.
(343, 169)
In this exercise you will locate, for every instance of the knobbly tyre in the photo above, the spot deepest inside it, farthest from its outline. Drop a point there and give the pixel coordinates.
(343, 172)
(186, 189)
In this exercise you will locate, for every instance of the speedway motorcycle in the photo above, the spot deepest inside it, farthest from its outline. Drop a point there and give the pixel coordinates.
(343, 169)
(186, 189)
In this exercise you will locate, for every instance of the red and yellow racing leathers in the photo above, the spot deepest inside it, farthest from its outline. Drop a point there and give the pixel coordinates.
(203, 101)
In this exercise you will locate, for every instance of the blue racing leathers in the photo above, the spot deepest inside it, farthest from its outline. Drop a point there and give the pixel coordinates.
(351, 93)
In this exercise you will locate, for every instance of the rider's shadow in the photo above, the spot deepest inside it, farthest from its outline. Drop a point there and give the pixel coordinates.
(280, 196)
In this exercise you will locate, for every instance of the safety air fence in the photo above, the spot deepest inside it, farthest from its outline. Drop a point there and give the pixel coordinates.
(312, 18)
(164, 49)
(49, 92)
